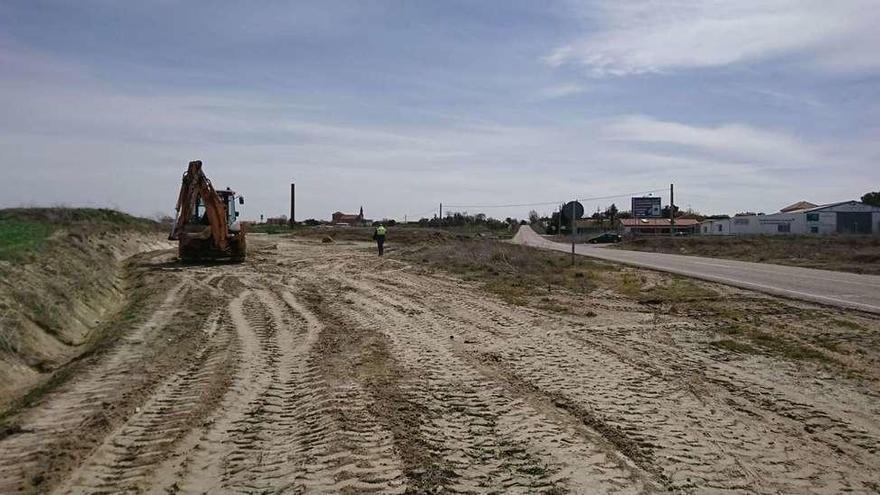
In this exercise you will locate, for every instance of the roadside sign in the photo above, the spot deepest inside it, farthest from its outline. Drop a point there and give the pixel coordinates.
(646, 207)
(572, 211)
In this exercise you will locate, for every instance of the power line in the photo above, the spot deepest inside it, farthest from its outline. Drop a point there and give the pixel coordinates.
(595, 198)
(419, 215)
(505, 206)
(543, 203)
(621, 195)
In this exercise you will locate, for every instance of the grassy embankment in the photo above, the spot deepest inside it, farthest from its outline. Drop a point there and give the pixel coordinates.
(24, 232)
(62, 277)
(740, 322)
(857, 254)
(18, 237)
(58, 256)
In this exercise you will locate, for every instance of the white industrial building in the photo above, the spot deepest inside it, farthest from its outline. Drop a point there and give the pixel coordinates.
(846, 217)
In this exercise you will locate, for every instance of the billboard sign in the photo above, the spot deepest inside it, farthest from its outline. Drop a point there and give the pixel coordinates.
(646, 207)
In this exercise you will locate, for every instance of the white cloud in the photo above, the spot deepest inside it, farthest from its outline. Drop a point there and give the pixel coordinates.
(643, 36)
(67, 137)
(728, 141)
(561, 91)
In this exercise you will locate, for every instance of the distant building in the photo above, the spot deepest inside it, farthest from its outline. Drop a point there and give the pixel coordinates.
(799, 206)
(353, 220)
(658, 226)
(282, 220)
(590, 225)
(845, 217)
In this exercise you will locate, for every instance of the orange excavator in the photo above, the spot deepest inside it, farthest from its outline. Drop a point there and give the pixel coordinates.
(207, 225)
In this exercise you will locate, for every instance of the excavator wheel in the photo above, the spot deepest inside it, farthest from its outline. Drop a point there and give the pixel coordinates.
(239, 248)
(188, 253)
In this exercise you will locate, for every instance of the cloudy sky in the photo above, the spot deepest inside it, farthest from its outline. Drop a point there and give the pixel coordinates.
(400, 105)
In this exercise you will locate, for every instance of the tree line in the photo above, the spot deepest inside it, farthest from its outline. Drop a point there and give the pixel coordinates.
(463, 219)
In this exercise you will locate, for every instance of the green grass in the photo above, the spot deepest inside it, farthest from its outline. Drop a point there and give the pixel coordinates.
(676, 290)
(62, 216)
(629, 285)
(790, 349)
(830, 342)
(848, 324)
(24, 231)
(79, 217)
(759, 341)
(18, 237)
(519, 275)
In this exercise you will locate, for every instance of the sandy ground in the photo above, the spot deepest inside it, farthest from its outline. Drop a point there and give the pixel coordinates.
(320, 368)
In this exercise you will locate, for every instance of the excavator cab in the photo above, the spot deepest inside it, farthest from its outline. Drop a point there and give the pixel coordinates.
(207, 224)
(228, 198)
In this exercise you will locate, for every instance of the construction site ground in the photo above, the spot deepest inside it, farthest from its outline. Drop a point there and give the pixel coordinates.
(319, 367)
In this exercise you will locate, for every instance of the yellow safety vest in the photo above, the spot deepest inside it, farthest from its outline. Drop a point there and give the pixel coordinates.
(380, 230)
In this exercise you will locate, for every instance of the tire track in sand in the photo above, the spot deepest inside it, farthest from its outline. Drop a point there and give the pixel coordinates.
(486, 437)
(279, 429)
(201, 469)
(77, 408)
(695, 444)
(343, 447)
(128, 455)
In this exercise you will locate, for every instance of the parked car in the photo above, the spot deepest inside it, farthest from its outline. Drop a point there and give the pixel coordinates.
(605, 238)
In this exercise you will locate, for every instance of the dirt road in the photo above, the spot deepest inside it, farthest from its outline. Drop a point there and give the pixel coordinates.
(848, 290)
(320, 368)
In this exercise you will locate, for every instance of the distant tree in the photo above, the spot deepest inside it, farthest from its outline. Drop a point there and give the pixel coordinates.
(463, 219)
(871, 198)
(534, 217)
(665, 212)
(524, 222)
(311, 222)
(611, 212)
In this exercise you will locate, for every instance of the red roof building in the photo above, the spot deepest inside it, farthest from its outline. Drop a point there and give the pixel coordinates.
(339, 217)
(658, 226)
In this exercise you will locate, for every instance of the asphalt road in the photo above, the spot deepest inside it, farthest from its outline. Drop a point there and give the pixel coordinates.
(848, 290)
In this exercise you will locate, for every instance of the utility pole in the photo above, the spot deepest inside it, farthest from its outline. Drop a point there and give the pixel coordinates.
(441, 214)
(292, 203)
(559, 221)
(571, 214)
(672, 210)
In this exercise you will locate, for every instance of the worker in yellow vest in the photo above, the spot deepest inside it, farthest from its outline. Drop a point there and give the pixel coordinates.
(379, 236)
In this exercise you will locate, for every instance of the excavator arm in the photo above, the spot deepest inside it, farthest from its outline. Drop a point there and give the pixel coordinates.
(195, 188)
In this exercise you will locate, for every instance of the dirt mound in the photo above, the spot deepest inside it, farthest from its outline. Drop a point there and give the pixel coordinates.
(61, 273)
